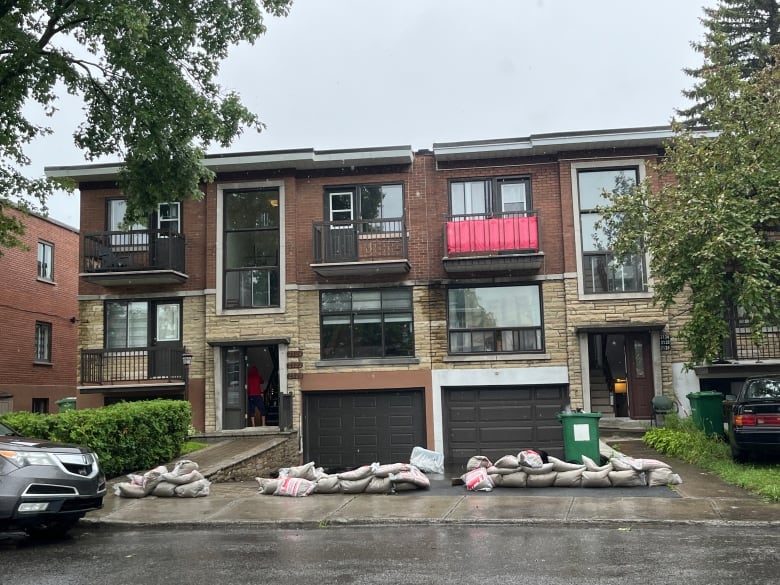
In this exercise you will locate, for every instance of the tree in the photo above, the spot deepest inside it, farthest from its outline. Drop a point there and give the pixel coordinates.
(748, 28)
(713, 229)
(146, 71)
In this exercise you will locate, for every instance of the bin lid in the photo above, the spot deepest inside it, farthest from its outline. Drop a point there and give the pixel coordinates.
(705, 394)
(562, 415)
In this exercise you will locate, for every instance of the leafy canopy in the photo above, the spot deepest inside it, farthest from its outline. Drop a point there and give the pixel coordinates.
(713, 229)
(146, 71)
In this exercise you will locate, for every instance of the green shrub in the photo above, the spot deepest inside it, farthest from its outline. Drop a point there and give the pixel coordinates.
(128, 436)
(682, 439)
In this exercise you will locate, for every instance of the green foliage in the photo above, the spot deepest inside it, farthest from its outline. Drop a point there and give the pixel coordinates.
(682, 440)
(711, 229)
(747, 29)
(146, 72)
(128, 436)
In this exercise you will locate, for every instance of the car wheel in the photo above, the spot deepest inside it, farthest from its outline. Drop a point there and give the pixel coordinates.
(738, 455)
(53, 530)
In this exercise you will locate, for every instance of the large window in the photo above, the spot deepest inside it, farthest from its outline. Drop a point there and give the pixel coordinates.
(251, 248)
(42, 342)
(367, 202)
(127, 324)
(601, 271)
(499, 319)
(489, 196)
(367, 324)
(45, 261)
(116, 223)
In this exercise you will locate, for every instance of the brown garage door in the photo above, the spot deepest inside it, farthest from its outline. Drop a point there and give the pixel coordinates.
(499, 421)
(347, 429)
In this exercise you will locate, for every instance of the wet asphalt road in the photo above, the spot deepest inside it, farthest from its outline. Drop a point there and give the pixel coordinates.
(406, 555)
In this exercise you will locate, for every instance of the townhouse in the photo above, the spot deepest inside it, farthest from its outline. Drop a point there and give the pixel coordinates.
(38, 312)
(457, 297)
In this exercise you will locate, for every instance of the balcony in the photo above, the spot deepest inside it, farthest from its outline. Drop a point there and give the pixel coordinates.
(367, 247)
(106, 370)
(499, 242)
(138, 257)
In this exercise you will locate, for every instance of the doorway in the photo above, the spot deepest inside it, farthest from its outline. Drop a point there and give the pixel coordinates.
(236, 363)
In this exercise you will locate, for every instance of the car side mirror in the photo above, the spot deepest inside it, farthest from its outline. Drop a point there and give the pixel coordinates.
(730, 397)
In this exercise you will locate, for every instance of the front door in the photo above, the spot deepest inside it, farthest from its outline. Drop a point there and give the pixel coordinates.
(166, 347)
(639, 369)
(234, 395)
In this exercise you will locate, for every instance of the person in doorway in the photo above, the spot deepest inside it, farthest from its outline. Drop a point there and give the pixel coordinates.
(254, 390)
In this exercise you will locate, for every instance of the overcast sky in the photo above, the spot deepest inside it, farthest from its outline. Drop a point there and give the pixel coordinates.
(363, 73)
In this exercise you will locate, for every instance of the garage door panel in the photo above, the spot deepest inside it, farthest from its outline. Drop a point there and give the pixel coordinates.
(365, 441)
(504, 413)
(330, 423)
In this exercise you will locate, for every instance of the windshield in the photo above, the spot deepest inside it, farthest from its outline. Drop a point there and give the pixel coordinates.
(763, 388)
(6, 430)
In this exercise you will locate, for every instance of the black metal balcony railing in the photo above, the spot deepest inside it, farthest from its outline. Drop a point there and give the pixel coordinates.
(131, 366)
(488, 234)
(363, 240)
(132, 251)
(740, 344)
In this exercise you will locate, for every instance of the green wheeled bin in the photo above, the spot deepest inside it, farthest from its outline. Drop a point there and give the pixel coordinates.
(580, 435)
(707, 411)
(66, 404)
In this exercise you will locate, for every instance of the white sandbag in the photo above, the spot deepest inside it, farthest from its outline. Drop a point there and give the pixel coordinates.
(592, 479)
(541, 479)
(544, 469)
(379, 485)
(195, 489)
(529, 458)
(478, 461)
(413, 476)
(386, 470)
(184, 467)
(189, 477)
(306, 471)
(354, 486)
(663, 476)
(358, 473)
(477, 480)
(561, 465)
(328, 484)
(516, 480)
(627, 478)
(628, 463)
(571, 478)
(496, 478)
(427, 461)
(126, 489)
(591, 465)
(294, 487)
(495, 470)
(164, 489)
(508, 462)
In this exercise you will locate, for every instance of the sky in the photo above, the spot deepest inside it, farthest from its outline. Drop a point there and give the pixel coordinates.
(365, 73)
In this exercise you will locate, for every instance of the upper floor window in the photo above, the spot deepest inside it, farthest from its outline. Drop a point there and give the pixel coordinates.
(251, 248)
(497, 319)
(383, 203)
(601, 272)
(367, 323)
(45, 261)
(490, 196)
(42, 342)
(115, 222)
(169, 218)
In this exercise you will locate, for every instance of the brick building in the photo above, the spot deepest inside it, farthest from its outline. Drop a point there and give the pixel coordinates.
(38, 311)
(453, 298)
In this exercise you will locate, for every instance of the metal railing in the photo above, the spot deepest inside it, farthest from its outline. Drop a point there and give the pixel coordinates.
(740, 345)
(362, 240)
(135, 250)
(493, 233)
(138, 365)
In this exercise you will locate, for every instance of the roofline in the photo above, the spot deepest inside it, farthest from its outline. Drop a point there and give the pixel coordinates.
(300, 159)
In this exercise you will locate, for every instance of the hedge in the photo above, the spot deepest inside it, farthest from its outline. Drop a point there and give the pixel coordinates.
(128, 436)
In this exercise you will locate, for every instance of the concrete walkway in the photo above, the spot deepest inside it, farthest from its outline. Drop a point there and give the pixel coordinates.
(702, 498)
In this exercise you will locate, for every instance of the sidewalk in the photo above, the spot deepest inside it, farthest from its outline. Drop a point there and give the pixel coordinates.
(702, 498)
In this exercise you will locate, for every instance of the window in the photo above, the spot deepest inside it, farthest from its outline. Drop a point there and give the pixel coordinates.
(601, 272)
(126, 324)
(367, 202)
(251, 248)
(115, 223)
(367, 324)
(42, 342)
(45, 261)
(40, 405)
(169, 218)
(489, 196)
(501, 319)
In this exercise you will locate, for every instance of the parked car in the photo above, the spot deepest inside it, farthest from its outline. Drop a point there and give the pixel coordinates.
(45, 487)
(754, 424)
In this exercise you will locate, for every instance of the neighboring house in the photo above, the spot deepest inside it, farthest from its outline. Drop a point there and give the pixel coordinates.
(453, 298)
(38, 312)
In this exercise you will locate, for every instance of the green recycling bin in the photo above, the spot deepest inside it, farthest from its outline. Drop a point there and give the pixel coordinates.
(66, 404)
(580, 435)
(707, 411)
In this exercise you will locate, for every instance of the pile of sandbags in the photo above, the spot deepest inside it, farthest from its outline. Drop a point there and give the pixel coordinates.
(534, 469)
(368, 479)
(183, 481)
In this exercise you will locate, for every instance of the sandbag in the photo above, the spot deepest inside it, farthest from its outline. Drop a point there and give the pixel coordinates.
(629, 463)
(595, 478)
(379, 485)
(561, 465)
(572, 478)
(427, 461)
(354, 486)
(627, 478)
(529, 458)
(544, 469)
(184, 467)
(477, 480)
(195, 489)
(516, 480)
(164, 489)
(478, 461)
(386, 470)
(328, 484)
(413, 476)
(189, 477)
(356, 474)
(295, 487)
(541, 479)
(128, 490)
(507, 462)
(495, 470)
(591, 465)
(663, 476)
(306, 471)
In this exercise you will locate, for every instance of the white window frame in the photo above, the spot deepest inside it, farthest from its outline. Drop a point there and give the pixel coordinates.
(47, 273)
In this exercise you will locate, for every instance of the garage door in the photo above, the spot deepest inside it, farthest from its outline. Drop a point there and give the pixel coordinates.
(499, 421)
(348, 429)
